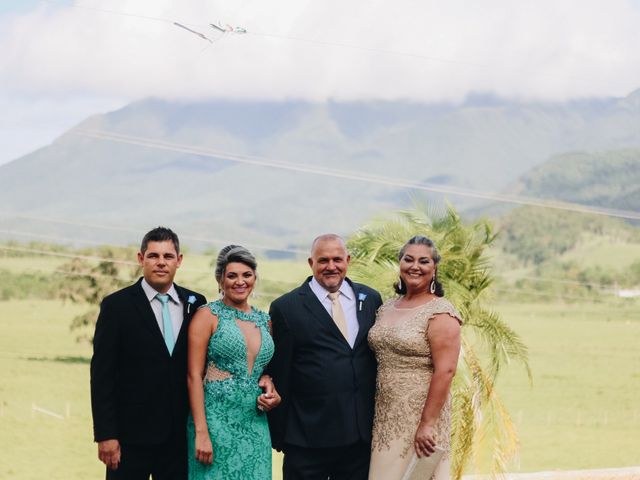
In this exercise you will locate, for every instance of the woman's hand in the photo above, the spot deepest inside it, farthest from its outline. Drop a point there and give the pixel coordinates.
(425, 441)
(204, 449)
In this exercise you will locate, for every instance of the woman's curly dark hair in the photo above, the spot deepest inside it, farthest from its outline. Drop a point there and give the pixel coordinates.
(401, 288)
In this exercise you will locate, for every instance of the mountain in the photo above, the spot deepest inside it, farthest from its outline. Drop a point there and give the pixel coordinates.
(210, 169)
(609, 179)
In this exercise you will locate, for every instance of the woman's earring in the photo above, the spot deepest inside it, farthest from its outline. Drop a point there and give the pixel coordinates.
(432, 288)
(221, 294)
(400, 283)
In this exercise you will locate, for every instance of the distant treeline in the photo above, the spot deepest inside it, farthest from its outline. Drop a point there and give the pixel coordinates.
(609, 179)
(538, 235)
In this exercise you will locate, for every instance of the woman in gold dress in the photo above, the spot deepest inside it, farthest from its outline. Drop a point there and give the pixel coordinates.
(416, 339)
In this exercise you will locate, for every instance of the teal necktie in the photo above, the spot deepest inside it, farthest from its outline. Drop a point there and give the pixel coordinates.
(167, 326)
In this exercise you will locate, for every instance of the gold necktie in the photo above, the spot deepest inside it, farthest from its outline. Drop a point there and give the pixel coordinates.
(338, 314)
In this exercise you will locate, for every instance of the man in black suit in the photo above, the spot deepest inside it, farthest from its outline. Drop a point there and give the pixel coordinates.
(139, 368)
(324, 370)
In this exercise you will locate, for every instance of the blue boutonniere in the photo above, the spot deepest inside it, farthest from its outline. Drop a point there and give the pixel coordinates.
(361, 298)
(191, 300)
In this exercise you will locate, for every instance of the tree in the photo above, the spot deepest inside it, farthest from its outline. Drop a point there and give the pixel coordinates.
(89, 283)
(482, 430)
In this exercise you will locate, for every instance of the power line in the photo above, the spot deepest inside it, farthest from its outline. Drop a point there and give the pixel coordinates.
(511, 276)
(259, 292)
(350, 175)
(93, 258)
(370, 49)
(106, 259)
(68, 255)
(552, 280)
(209, 240)
(506, 275)
(291, 38)
(279, 36)
(59, 239)
(109, 11)
(551, 294)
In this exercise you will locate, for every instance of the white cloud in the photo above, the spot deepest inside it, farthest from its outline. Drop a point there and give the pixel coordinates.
(422, 50)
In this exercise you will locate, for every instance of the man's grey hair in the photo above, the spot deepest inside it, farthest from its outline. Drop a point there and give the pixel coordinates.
(326, 237)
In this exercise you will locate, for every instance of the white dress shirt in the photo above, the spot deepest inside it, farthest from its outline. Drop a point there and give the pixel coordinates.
(175, 307)
(347, 300)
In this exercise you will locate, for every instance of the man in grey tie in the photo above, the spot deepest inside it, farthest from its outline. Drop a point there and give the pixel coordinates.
(324, 370)
(139, 368)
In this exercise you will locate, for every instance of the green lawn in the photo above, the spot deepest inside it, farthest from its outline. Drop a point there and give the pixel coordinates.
(581, 412)
(42, 367)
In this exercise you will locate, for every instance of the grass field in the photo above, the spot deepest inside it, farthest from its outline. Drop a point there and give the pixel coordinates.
(581, 412)
(42, 367)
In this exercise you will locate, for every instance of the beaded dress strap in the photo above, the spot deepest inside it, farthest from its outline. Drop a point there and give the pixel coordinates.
(225, 312)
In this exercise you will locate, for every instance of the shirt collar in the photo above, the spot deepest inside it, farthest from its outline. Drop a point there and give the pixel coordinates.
(321, 292)
(151, 292)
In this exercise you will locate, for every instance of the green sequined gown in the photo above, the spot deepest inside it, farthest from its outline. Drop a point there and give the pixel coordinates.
(239, 431)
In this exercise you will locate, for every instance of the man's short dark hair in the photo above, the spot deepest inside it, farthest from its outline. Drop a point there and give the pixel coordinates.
(160, 234)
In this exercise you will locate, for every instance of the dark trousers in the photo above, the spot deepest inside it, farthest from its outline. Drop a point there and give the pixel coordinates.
(166, 461)
(350, 462)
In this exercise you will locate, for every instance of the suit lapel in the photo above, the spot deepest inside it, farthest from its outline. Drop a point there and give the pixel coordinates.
(187, 312)
(364, 320)
(313, 305)
(145, 314)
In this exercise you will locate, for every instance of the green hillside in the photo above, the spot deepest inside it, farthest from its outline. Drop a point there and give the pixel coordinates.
(212, 170)
(544, 254)
(553, 253)
(537, 235)
(608, 179)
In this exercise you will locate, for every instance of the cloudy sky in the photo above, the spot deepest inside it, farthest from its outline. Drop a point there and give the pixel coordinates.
(64, 60)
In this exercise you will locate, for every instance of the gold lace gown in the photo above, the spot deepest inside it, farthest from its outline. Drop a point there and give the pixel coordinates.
(399, 340)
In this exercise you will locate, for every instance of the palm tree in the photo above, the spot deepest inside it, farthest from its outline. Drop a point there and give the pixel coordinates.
(482, 430)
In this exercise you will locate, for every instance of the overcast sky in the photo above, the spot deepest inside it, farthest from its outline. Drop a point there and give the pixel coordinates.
(62, 61)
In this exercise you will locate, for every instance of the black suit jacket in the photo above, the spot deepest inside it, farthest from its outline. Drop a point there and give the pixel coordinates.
(138, 391)
(327, 388)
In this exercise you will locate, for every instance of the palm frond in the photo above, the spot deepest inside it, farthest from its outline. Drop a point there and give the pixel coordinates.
(462, 430)
(482, 429)
(501, 341)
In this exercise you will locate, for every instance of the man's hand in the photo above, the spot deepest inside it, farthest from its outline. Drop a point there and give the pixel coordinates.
(269, 399)
(109, 453)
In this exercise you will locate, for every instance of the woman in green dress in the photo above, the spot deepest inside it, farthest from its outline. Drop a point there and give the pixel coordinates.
(229, 345)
